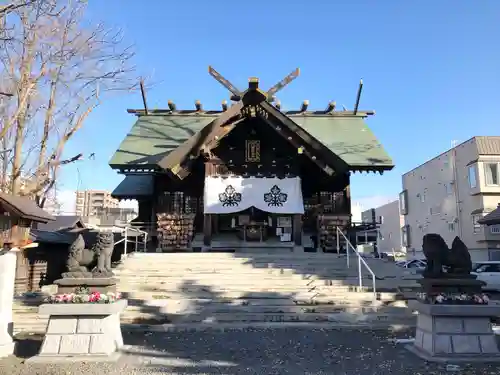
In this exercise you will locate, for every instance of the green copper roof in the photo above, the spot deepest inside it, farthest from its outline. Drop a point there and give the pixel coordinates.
(153, 137)
(134, 186)
(348, 137)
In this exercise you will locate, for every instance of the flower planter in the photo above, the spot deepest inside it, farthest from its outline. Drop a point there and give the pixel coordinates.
(82, 331)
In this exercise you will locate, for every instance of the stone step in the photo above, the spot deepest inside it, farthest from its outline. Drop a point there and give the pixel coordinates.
(249, 265)
(235, 271)
(228, 309)
(228, 255)
(235, 268)
(217, 288)
(237, 282)
(340, 317)
(245, 261)
(301, 298)
(262, 282)
(32, 322)
(186, 288)
(274, 275)
(135, 301)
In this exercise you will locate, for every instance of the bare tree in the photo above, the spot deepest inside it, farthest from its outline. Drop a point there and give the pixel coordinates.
(10, 7)
(59, 69)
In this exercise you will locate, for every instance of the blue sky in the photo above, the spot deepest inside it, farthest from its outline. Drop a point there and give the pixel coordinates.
(430, 68)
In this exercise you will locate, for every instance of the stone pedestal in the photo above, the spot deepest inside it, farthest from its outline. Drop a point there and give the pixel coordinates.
(455, 333)
(101, 285)
(82, 331)
(458, 285)
(7, 280)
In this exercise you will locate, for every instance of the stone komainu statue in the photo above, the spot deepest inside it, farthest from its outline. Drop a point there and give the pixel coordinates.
(90, 263)
(437, 253)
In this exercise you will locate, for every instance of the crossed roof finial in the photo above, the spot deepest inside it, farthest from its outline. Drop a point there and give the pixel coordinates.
(253, 84)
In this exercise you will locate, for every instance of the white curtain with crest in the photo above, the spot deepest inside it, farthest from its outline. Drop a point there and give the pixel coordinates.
(234, 194)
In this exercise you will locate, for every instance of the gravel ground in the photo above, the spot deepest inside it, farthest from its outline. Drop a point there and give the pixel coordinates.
(273, 351)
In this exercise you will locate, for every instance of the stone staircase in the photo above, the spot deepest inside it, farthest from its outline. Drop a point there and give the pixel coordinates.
(182, 289)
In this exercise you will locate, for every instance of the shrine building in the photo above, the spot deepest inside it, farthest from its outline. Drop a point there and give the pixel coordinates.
(249, 175)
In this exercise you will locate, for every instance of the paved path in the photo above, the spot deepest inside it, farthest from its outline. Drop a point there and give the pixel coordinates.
(267, 352)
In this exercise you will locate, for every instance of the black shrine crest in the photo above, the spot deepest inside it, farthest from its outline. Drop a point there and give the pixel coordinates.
(275, 197)
(230, 197)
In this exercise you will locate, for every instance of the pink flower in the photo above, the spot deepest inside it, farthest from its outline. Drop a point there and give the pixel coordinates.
(486, 299)
(94, 297)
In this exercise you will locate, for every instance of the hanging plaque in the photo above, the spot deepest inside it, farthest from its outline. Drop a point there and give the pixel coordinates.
(252, 151)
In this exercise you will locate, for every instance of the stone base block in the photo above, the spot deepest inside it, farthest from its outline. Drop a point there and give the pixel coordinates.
(82, 331)
(455, 333)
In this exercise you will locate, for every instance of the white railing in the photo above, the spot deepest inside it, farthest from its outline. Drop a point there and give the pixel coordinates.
(125, 239)
(361, 261)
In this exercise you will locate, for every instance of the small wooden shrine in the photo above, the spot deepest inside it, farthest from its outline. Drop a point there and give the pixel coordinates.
(250, 174)
(17, 214)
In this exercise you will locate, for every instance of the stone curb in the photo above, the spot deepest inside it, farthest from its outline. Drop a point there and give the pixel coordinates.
(221, 327)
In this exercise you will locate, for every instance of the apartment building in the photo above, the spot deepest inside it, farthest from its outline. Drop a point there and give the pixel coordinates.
(450, 193)
(94, 202)
(389, 222)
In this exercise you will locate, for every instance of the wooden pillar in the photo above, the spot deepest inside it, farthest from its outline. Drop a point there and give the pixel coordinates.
(207, 229)
(152, 226)
(297, 229)
(348, 199)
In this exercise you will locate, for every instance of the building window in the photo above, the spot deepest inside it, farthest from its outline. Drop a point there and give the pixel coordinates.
(449, 188)
(405, 235)
(491, 174)
(422, 196)
(472, 176)
(495, 229)
(477, 226)
(451, 227)
(403, 203)
(381, 219)
(435, 210)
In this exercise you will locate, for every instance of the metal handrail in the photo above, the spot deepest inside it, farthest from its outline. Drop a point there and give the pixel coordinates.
(125, 239)
(360, 261)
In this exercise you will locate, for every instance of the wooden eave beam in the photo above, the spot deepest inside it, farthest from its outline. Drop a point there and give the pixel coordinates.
(291, 139)
(223, 132)
(338, 163)
(180, 160)
(329, 114)
(211, 113)
(371, 168)
(167, 111)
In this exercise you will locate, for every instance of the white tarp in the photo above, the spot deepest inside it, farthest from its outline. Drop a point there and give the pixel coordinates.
(234, 194)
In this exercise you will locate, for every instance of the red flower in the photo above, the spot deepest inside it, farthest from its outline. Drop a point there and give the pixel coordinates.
(95, 297)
